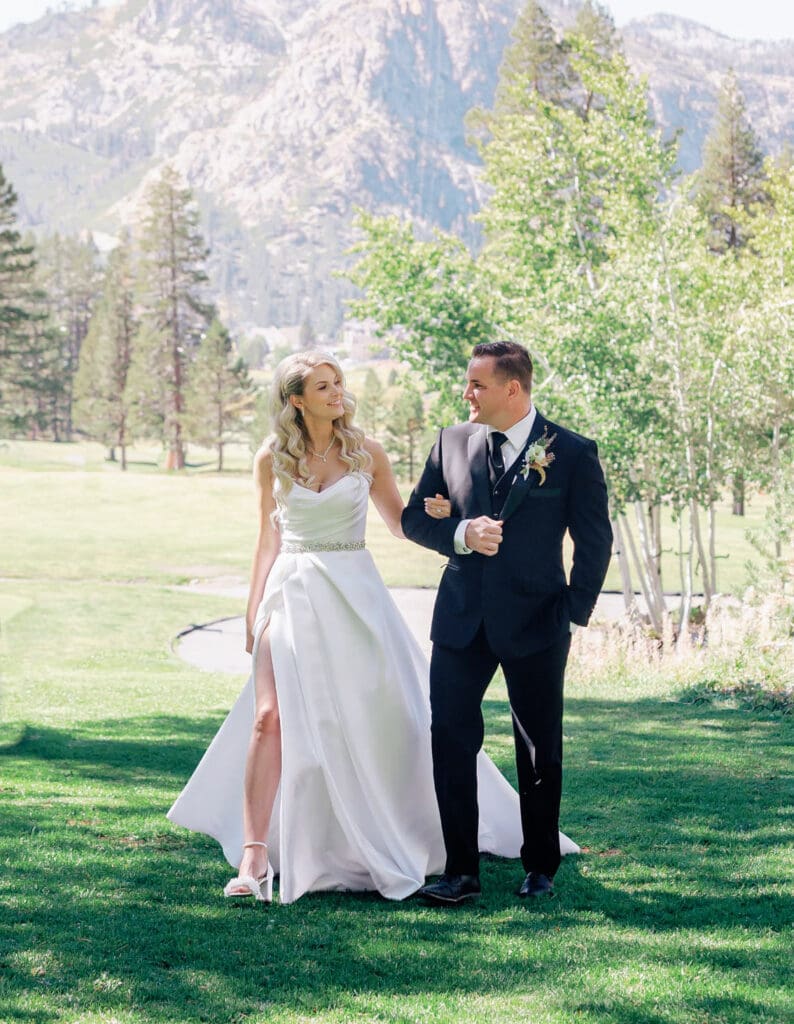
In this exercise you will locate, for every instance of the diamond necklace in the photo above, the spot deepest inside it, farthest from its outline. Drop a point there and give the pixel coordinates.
(324, 456)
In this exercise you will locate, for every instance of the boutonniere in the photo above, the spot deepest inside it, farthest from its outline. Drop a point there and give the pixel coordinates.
(538, 457)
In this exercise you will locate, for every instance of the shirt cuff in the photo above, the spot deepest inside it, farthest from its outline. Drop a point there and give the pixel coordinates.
(460, 538)
(574, 626)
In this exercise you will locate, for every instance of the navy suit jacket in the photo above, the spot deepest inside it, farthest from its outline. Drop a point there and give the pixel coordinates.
(521, 594)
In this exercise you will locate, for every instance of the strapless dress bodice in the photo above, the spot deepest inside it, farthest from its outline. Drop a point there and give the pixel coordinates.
(332, 518)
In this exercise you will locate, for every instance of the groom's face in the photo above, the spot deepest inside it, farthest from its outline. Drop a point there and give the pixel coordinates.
(488, 395)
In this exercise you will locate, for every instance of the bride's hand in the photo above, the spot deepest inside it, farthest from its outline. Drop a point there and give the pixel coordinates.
(438, 507)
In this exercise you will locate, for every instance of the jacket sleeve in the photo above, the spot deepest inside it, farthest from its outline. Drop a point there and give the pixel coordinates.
(418, 526)
(591, 532)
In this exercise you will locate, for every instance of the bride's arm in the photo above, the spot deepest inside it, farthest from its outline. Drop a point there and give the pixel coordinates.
(267, 544)
(386, 497)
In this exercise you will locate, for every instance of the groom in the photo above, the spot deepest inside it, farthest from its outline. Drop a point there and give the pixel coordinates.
(517, 483)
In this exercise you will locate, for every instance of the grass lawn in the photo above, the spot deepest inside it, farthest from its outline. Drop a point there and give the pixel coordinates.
(66, 504)
(678, 911)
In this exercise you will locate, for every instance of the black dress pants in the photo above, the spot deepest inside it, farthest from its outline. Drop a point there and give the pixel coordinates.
(458, 681)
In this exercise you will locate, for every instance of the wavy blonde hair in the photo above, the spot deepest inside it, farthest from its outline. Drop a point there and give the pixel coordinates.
(287, 443)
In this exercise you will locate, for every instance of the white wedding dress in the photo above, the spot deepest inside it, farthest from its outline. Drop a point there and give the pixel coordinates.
(356, 807)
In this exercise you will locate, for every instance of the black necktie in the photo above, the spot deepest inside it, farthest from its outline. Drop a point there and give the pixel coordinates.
(496, 466)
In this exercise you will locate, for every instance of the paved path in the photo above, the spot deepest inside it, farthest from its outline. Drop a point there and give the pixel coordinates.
(220, 646)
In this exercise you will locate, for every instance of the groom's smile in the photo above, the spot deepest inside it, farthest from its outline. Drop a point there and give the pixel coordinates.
(492, 398)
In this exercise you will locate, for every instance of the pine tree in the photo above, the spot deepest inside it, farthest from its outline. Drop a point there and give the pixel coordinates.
(35, 400)
(21, 315)
(405, 426)
(222, 395)
(101, 395)
(534, 70)
(731, 181)
(370, 409)
(307, 336)
(174, 314)
(68, 274)
(732, 177)
(534, 64)
(594, 23)
(593, 29)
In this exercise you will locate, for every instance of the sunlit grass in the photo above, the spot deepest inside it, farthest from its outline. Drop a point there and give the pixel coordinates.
(678, 912)
(63, 507)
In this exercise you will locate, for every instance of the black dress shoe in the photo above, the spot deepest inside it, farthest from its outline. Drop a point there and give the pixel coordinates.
(536, 884)
(451, 890)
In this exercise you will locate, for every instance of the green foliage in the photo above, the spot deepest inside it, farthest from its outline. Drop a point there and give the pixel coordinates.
(221, 395)
(175, 315)
(24, 343)
(533, 65)
(430, 300)
(601, 265)
(68, 274)
(405, 431)
(763, 364)
(370, 409)
(732, 178)
(102, 398)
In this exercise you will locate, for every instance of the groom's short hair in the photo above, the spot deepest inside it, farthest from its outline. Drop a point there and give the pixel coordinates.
(511, 361)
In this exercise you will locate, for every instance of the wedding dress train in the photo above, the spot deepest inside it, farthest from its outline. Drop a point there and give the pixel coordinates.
(356, 807)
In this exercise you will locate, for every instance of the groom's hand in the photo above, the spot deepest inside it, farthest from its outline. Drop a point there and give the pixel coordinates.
(484, 535)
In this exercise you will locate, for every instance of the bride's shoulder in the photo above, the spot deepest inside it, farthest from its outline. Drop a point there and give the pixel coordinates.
(372, 446)
(263, 463)
(377, 453)
(374, 449)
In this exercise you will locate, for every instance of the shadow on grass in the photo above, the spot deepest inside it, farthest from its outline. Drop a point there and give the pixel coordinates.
(110, 908)
(166, 744)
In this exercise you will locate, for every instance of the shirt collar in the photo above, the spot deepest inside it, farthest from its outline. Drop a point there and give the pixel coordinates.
(518, 434)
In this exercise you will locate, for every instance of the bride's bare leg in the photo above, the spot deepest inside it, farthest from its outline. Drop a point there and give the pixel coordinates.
(263, 765)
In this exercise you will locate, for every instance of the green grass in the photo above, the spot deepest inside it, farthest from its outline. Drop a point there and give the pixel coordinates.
(64, 507)
(678, 913)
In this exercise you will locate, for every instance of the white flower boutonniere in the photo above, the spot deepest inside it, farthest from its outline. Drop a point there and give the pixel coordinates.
(538, 457)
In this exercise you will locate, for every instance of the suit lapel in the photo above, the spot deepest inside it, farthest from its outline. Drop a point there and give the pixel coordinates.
(478, 461)
(521, 486)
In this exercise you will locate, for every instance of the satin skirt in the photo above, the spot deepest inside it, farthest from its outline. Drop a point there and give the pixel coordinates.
(356, 807)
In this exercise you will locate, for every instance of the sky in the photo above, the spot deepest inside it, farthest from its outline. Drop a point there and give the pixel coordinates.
(743, 19)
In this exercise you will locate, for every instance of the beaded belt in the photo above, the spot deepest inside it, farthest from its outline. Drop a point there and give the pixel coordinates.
(291, 548)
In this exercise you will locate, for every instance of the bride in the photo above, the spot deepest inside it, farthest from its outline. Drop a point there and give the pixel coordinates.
(322, 771)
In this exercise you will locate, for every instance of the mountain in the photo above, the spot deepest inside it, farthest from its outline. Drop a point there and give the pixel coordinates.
(684, 64)
(283, 115)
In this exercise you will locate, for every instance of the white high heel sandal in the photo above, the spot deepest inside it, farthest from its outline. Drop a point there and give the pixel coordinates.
(260, 888)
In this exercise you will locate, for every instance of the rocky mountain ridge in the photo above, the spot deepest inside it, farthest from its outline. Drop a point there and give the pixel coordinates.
(283, 115)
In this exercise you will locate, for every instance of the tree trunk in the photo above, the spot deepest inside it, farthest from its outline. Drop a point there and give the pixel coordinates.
(659, 607)
(688, 581)
(645, 581)
(694, 514)
(629, 600)
(738, 493)
(655, 521)
(777, 484)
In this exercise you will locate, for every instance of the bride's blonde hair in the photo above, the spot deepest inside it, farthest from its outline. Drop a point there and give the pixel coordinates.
(287, 443)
